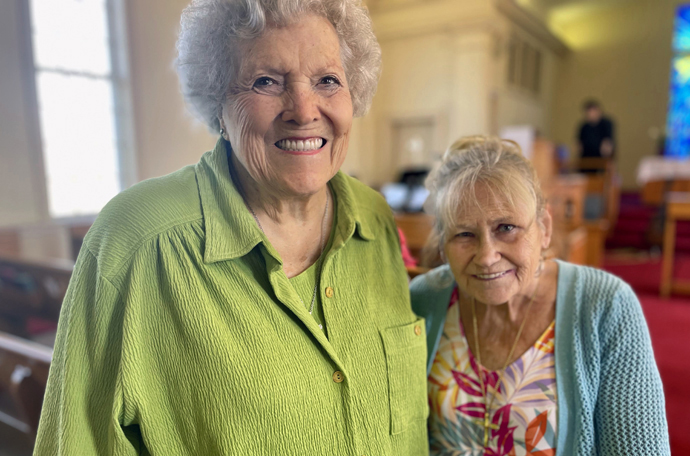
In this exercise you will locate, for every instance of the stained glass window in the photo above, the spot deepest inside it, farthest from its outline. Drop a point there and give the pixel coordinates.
(678, 122)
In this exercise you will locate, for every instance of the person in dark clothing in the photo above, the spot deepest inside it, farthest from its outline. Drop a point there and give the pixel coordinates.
(596, 135)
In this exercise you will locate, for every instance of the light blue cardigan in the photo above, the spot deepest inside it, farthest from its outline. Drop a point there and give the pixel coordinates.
(610, 397)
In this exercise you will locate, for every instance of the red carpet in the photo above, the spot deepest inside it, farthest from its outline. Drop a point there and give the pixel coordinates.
(669, 326)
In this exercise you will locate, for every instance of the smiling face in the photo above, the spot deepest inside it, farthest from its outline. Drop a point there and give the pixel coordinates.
(289, 115)
(495, 250)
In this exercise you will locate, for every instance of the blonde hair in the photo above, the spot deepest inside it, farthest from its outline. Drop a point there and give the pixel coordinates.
(496, 163)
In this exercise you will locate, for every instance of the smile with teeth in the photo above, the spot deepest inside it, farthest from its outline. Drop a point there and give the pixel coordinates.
(299, 145)
(491, 276)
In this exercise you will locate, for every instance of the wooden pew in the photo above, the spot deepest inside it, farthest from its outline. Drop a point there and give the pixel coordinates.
(605, 185)
(565, 196)
(30, 292)
(577, 239)
(417, 228)
(654, 193)
(24, 367)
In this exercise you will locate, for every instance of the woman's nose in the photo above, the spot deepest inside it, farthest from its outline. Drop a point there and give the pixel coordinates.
(302, 105)
(487, 253)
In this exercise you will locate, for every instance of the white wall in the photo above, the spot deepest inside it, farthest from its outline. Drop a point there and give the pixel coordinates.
(517, 106)
(451, 70)
(20, 186)
(167, 138)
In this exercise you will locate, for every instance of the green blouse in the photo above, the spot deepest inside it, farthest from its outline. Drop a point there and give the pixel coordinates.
(181, 335)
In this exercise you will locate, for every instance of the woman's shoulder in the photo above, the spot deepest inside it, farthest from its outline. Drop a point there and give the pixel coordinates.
(431, 289)
(437, 280)
(594, 291)
(365, 197)
(141, 212)
(367, 206)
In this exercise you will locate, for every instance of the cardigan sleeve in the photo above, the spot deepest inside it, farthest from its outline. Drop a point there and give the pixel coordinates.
(83, 401)
(629, 415)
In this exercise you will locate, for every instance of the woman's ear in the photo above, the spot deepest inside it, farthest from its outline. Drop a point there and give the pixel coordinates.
(547, 227)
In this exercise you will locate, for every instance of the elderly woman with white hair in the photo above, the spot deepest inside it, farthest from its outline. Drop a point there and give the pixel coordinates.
(527, 356)
(255, 303)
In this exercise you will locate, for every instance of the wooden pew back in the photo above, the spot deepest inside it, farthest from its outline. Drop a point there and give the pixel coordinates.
(24, 367)
(417, 228)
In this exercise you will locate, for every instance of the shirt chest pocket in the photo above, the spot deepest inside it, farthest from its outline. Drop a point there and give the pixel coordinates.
(405, 352)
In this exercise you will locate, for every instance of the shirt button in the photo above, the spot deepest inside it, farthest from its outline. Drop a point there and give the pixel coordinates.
(418, 330)
(329, 292)
(338, 377)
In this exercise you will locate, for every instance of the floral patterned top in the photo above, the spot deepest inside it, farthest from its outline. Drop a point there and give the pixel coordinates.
(523, 415)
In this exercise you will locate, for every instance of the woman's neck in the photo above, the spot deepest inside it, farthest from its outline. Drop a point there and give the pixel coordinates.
(541, 290)
(278, 207)
(293, 224)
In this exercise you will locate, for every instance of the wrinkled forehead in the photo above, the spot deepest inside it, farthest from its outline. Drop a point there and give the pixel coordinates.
(484, 203)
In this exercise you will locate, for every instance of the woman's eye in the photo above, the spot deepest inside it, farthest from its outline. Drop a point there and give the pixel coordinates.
(265, 82)
(329, 80)
(464, 234)
(506, 228)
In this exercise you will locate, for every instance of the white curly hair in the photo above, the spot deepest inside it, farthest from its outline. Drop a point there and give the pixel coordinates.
(207, 46)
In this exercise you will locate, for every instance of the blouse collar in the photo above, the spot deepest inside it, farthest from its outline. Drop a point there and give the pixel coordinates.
(231, 230)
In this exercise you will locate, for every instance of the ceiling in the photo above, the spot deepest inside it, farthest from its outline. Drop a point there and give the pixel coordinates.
(563, 11)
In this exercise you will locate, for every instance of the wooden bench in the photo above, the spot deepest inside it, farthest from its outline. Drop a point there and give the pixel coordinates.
(24, 367)
(30, 292)
(417, 228)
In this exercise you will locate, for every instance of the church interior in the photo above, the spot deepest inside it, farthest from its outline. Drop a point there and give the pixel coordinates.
(90, 107)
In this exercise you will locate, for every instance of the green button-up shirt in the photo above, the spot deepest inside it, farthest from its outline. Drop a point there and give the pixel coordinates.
(181, 335)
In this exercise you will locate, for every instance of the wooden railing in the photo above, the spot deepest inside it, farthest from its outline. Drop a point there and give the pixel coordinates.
(29, 290)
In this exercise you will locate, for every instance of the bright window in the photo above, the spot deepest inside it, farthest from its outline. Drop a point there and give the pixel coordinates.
(678, 122)
(76, 103)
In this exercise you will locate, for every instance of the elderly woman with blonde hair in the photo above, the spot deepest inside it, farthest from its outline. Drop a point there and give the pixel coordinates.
(527, 356)
(255, 303)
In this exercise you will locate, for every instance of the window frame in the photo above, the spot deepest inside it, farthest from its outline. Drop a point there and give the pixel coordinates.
(122, 105)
